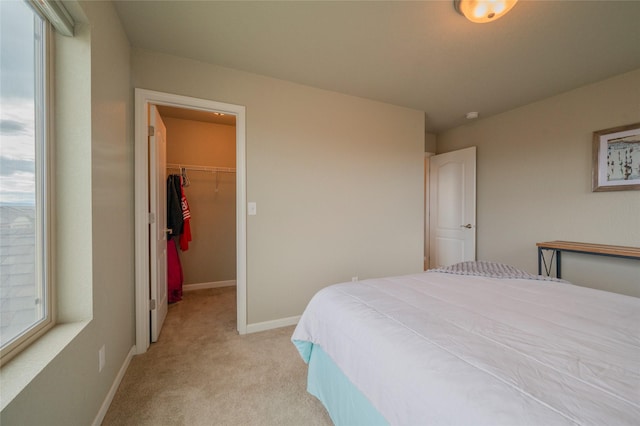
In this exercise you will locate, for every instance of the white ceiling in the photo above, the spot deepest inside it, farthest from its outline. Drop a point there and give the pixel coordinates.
(421, 55)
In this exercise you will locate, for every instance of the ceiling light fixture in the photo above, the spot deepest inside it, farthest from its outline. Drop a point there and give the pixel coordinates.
(482, 11)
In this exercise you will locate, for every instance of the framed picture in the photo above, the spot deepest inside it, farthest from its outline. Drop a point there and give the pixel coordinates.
(616, 158)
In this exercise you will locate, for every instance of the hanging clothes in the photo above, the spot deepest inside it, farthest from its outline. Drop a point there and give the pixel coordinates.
(175, 219)
(185, 236)
(174, 273)
(175, 222)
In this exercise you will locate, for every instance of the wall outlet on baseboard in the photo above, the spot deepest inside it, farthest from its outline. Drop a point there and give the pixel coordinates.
(101, 358)
(354, 279)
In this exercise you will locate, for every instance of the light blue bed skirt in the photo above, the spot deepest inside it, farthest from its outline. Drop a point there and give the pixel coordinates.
(344, 402)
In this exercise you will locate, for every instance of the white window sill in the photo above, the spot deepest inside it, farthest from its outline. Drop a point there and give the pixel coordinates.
(21, 370)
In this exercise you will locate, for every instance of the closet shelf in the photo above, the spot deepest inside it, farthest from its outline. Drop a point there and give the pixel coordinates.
(193, 168)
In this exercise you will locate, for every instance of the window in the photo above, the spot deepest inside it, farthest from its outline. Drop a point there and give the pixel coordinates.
(25, 284)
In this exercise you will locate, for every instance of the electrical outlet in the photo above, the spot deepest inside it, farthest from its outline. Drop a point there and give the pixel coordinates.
(101, 358)
(354, 279)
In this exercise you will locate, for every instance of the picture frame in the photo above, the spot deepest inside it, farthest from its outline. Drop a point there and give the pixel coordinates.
(616, 158)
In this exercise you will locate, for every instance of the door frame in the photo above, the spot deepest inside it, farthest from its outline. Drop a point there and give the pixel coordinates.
(144, 98)
(427, 211)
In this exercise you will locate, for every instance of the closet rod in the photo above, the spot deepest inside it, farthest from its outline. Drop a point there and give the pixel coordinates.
(201, 168)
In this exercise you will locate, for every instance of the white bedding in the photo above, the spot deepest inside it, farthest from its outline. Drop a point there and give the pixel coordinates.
(436, 348)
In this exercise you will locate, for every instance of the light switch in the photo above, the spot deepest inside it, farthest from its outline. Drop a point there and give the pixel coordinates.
(251, 209)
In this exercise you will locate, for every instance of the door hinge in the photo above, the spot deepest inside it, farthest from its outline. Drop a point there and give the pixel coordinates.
(152, 304)
(152, 131)
(152, 218)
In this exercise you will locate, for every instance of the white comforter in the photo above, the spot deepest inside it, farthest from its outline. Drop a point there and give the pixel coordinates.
(437, 348)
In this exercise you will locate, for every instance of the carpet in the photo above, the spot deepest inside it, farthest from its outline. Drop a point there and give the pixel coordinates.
(201, 372)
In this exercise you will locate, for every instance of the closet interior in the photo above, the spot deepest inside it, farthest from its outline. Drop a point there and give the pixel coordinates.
(200, 168)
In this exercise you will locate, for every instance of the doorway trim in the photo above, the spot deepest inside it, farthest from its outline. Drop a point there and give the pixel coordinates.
(144, 98)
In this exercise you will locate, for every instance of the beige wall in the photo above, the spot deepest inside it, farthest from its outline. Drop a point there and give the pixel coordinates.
(430, 142)
(534, 182)
(338, 181)
(211, 256)
(94, 230)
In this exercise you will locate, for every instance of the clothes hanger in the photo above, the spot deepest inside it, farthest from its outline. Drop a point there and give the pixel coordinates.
(185, 178)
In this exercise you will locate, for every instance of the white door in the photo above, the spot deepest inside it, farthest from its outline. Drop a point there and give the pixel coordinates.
(157, 231)
(452, 207)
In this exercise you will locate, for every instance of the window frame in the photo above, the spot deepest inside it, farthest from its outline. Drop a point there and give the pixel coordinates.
(44, 183)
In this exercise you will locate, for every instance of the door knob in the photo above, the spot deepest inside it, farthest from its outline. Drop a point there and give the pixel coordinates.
(468, 226)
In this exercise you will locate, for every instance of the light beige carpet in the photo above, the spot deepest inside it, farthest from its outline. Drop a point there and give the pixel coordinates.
(201, 372)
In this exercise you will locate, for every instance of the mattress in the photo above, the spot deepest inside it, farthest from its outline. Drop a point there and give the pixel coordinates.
(441, 348)
(344, 402)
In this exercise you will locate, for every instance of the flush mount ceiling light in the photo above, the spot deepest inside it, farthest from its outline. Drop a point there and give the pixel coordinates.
(482, 11)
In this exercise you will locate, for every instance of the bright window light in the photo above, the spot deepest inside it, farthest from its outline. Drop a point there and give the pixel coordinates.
(25, 299)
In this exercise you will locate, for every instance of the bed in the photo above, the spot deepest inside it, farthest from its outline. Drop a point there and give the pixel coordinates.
(475, 344)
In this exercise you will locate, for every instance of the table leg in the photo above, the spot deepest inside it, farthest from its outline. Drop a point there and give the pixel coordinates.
(558, 264)
(539, 261)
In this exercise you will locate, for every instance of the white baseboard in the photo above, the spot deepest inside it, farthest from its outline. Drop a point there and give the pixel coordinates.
(216, 284)
(114, 387)
(269, 325)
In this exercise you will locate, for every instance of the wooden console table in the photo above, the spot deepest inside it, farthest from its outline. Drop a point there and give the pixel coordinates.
(587, 248)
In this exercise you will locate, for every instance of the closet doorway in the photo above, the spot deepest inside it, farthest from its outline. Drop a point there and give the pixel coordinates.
(201, 162)
(205, 144)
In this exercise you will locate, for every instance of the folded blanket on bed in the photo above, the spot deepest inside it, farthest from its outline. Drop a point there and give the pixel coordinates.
(492, 270)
